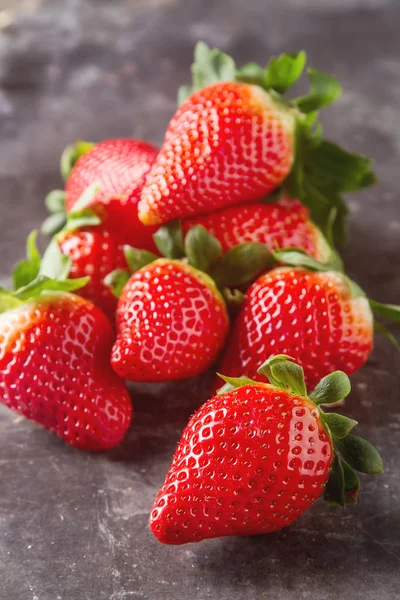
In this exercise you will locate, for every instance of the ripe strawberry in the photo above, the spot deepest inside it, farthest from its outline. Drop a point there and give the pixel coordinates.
(94, 252)
(235, 138)
(227, 144)
(253, 459)
(54, 364)
(118, 168)
(171, 323)
(282, 224)
(313, 317)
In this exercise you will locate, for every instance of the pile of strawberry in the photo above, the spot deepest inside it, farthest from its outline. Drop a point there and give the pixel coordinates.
(157, 256)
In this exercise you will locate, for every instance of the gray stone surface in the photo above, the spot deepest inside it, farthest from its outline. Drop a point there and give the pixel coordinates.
(73, 525)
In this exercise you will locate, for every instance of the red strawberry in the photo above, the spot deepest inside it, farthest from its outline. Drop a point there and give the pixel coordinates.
(316, 318)
(281, 224)
(235, 138)
(55, 370)
(119, 168)
(94, 252)
(227, 144)
(171, 323)
(253, 459)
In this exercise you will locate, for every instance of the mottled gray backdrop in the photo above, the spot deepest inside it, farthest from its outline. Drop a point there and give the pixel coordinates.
(73, 525)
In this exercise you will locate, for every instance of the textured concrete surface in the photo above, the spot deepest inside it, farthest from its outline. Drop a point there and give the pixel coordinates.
(72, 525)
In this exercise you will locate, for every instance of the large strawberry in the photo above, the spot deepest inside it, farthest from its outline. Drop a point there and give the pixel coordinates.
(320, 318)
(54, 359)
(172, 323)
(118, 168)
(235, 138)
(284, 223)
(253, 459)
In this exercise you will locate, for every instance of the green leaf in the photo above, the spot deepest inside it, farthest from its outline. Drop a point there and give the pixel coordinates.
(85, 218)
(294, 257)
(210, 66)
(332, 388)
(333, 168)
(324, 89)
(242, 264)
(251, 73)
(391, 312)
(70, 156)
(351, 484)
(55, 264)
(137, 259)
(339, 425)
(233, 383)
(44, 284)
(26, 270)
(53, 224)
(169, 240)
(334, 492)
(116, 281)
(282, 72)
(201, 248)
(283, 373)
(85, 200)
(360, 454)
(55, 201)
(379, 328)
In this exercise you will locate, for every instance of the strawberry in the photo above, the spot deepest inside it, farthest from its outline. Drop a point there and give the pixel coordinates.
(171, 323)
(227, 144)
(235, 138)
(321, 319)
(281, 224)
(254, 458)
(94, 252)
(54, 359)
(118, 168)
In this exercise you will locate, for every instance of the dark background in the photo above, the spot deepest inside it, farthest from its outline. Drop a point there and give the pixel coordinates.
(73, 526)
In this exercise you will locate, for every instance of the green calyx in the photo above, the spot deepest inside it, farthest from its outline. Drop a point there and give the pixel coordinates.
(322, 171)
(55, 200)
(35, 275)
(351, 453)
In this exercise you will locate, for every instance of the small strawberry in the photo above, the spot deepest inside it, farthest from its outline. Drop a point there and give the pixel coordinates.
(94, 252)
(118, 168)
(235, 138)
(254, 458)
(322, 319)
(282, 224)
(54, 358)
(171, 323)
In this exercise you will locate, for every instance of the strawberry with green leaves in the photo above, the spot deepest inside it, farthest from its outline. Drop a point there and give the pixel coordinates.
(254, 458)
(306, 310)
(54, 356)
(118, 168)
(235, 139)
(172, 321)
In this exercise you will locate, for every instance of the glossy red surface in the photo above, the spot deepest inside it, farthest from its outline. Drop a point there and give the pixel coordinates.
(249, 462)
(119, 168)
(281, 224)
(229, 143)
(311, 317)
(94, 252)
(55, 370)
(171, 324)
